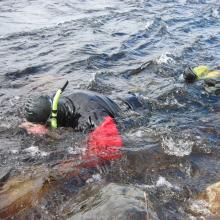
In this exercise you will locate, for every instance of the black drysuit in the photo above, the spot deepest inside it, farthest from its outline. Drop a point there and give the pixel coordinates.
(84, 110)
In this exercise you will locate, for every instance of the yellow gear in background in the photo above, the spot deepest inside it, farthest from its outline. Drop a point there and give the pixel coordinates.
(203, 72)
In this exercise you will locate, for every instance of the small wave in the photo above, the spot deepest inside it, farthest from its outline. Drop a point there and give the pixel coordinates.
(98, 83)
(25, 72)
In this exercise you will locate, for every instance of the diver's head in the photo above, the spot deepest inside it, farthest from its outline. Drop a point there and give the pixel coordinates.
(189, 75)
(38, 109)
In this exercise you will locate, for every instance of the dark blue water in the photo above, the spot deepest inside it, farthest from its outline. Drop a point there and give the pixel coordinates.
(115, 47)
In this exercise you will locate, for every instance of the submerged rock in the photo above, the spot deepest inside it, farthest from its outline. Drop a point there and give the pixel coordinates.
(25, 191)
(212, 196)
(113, 202)
(22, 192)
(4, 174)
(207, 203)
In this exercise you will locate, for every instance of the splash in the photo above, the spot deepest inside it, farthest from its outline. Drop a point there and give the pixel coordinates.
(164, 58)
(161, 182)
(178, 147)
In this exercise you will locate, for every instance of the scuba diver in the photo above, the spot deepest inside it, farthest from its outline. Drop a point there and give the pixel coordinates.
(211, 78)
(84, 111)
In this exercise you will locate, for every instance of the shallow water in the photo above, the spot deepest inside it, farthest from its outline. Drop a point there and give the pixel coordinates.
(114, 47)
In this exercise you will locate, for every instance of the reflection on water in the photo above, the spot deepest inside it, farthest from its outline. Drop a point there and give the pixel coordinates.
(169, 157)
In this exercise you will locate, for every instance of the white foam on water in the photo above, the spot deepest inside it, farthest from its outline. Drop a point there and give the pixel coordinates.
(94, 178)
(173, 101)
(215, 13)
(164, 58)
(74, 150)
(70, 150)
(139, 133)
(178, 147)
(34, 151)
(161, 182)
(97, 177)
(14, 151)
(93, 77)
(181, 78)
(148, 24)
(145, 186)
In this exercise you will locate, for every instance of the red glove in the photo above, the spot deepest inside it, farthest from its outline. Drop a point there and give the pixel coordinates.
(105, 141)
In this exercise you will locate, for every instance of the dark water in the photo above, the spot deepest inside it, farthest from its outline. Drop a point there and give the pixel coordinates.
(114, 47)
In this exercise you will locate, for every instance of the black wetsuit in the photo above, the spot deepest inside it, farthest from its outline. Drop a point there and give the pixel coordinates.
(83, 110)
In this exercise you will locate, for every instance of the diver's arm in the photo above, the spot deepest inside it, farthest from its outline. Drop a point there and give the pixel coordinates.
(35, 129)
(91, 120)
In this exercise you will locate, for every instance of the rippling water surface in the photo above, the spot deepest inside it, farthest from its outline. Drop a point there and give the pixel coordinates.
(114, 47)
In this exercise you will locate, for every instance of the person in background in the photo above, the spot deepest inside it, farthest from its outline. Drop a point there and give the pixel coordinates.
(211, 78)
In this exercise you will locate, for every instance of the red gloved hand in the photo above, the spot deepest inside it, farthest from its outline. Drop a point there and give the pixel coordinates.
(105, 141)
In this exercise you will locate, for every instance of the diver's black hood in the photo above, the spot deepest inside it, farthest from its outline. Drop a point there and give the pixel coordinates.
(189, 75)
(38, 109)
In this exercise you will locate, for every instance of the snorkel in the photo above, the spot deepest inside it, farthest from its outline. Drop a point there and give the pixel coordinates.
(53, 117)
